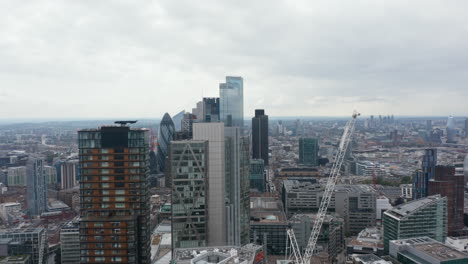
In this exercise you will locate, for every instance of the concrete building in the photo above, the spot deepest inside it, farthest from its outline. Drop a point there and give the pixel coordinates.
(70, 242)
(260, 136)
(22, 259)
(214, 134)
(368, 259)
(36, 187)
(231, 99)
(268, 224)
(424, 217)
(308, 151)
(356, 204)
(115, 218)
(331, 239)
(30, 240)
(449, 185)
(247, 254)
(383, 204)
(69, 174)
(367, 168)
(16, 176)
(458, 243)
(368, 241)
(188, 161)
(422, 250)
(406, 191)
(11, 212)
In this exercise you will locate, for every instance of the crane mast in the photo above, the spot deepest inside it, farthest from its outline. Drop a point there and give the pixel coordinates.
(329, 188)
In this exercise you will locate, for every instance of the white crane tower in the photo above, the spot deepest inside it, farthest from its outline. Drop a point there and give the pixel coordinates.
(329, 188)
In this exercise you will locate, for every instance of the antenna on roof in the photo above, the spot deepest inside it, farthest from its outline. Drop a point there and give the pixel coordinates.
(124, 123)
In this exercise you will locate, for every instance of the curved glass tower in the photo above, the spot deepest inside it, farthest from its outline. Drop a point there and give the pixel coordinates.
(165, 136)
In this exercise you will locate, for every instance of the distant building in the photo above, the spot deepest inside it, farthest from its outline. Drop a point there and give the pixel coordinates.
(50, 174)
(422, 177)
(177, 119)
(70, 243)
(165, 136)
(69, 171)
(425, 250)
(260, 136)
(29, 241)
(11, 212)
(451, 132)
(16, 176)
(331, 239)
(210, 110)
(247, 254)
(368, 259)
(356, 204)
(458, 243)
(308, 151)
(449, 185)
(368, 241)
(257, 175)
(188, 161)
(424, 217)
(268, 224)
(231, 99)
(383, 204)
(37, 186)
(22, 259)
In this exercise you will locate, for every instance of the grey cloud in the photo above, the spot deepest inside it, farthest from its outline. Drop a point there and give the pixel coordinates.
(297, 57)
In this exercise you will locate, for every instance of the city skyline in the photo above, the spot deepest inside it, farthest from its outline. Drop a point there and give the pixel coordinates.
(307, 59)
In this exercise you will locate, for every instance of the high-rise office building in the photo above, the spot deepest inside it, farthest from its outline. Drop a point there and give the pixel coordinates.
(237, 149)
(68, 173)
(70, 243)
(165, 136)
(428, 126)
(36, 187)
(257, 175)
(448, 184)
(466, 128)
(214, 134)
(115, 218)
(308, 151)
(231, 99)
(422, 177)
(27, 242)
(187, 124)
(210, 110)
(451, 132)
(17, 176)
(188, 161)
(260, 136)
(177, 120)
(423, 217)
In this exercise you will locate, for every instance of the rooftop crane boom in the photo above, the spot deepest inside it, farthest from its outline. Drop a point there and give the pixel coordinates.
(329, 188)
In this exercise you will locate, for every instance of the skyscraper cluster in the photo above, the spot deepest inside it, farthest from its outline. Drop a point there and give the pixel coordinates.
(208, 168)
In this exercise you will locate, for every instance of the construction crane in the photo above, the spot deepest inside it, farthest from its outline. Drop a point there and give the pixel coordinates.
(329, 188)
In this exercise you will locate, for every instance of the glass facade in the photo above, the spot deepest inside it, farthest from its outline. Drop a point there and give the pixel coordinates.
(36, 186)
(257, 175)
(188, 162)
(423, 217)
(232, 101)
(165, 136)
(308, 151)
(114, 167)
(260, 136)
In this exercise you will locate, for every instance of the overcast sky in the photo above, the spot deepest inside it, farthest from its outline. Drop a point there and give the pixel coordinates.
(138, 58)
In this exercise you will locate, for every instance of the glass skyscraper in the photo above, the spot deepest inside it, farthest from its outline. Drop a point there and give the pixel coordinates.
(188, 161)
(165, 136)
(422, 177)
(232, 101)
(36, 186)
(260, 136)
(308, 151)
(257, 175)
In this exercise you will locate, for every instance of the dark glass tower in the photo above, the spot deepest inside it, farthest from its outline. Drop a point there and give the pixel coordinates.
(308, 151)
(114, 200)
(422, 177)
(260, 136)
(211, 109)
(165, 136)
(36, 186)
